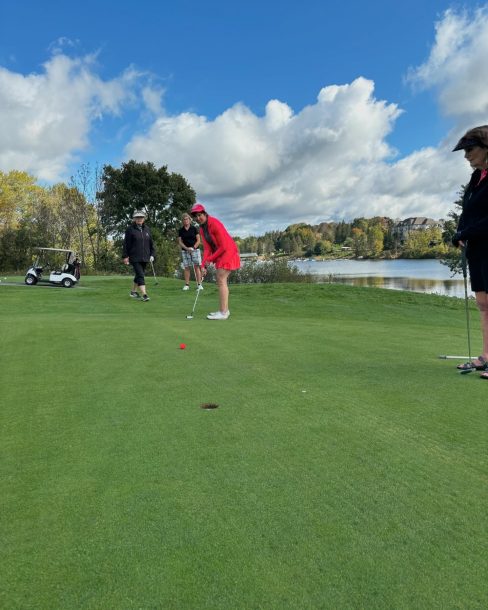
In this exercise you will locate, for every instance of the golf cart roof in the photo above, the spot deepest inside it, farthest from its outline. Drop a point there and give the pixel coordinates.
(54, 249)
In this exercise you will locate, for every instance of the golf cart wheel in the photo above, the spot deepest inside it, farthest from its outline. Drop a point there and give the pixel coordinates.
(30, 280)
(67, 283)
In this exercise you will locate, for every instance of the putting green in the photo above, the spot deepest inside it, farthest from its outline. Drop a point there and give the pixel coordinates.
(345, 465)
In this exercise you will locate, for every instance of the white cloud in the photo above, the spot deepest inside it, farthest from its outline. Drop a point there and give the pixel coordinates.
(457, 66)
(153, 99)
(62, 43)
(45, 118)
(329, 161)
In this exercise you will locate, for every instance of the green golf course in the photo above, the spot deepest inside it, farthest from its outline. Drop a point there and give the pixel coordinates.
(346, 466)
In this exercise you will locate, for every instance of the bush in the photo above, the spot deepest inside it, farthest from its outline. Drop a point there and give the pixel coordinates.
(259, 272)
(268, 272)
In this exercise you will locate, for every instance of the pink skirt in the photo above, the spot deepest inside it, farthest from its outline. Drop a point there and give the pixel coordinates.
(230, 261)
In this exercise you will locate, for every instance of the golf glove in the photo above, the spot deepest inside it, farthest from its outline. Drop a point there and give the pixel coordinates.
(151, 259)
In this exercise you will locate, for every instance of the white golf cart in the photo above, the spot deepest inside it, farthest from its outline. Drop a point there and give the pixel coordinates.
(58, 263)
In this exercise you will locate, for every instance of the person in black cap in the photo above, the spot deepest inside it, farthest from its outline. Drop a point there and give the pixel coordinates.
(138, 251)
(472, 231)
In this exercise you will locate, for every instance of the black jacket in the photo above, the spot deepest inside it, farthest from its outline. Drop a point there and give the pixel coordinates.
(473, 222)
(138, 244)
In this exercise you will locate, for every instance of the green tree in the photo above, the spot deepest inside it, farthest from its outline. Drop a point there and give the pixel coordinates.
(162, 195)
(360, 223)
(318, 249)
(360, 242)
(452, 257)
(424, 244)
(327, 231)
(17, 191)
(95, 247)
(342, 232)
(286, 244)
(390, 241)
(323, 246)
(141, 186)
(375, 240)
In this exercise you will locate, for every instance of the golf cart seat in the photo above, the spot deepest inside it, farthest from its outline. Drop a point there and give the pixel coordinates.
(67, 268)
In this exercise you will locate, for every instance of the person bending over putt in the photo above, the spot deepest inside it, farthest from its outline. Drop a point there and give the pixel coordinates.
(220, 249)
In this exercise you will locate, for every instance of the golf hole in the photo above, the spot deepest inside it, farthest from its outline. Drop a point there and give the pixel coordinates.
(209, 405)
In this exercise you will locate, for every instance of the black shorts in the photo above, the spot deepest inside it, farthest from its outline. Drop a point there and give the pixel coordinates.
(478, 273)
(139, 270)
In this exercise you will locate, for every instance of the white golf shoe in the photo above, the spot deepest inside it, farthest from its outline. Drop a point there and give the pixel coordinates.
(218, 315)
(186, 287)
(199, 287)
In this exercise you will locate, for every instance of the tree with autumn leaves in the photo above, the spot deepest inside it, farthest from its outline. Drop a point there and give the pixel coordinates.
(90, 214)
(92, 211)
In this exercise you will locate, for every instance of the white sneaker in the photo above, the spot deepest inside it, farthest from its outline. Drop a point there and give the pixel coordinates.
(186, 287)
(218, 315)
(199, 287)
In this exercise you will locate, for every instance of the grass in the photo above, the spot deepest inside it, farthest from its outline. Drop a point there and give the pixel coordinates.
(346, 466)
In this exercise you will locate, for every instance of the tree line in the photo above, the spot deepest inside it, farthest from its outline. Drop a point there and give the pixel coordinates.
(90, 213)
(376, 237)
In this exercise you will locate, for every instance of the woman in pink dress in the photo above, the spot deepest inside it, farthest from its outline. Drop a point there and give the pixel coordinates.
(220, 249)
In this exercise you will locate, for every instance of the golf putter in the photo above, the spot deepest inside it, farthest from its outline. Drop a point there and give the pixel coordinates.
(466, 306)
(190, 317)
(156, 283)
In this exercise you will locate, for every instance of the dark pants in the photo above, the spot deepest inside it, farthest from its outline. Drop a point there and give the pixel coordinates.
(139, 270)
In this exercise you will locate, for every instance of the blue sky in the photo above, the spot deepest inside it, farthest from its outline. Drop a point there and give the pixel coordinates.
(226, 93)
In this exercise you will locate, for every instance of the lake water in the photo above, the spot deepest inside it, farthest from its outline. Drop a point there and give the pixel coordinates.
(426, 275)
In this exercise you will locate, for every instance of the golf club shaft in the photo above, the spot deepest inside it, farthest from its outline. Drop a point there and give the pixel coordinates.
(466, 305)
(195, 303)
(154, 273)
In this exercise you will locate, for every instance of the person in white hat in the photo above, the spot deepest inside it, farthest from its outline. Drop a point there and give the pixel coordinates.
(138, 250)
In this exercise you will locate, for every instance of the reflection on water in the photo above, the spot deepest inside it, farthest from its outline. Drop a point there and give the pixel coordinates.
(452, 288)
(428, 276)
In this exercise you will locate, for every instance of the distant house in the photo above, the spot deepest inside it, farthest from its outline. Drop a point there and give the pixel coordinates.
(249, 256)
(419, 223)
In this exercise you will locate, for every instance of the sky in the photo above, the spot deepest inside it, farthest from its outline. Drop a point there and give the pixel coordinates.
(275, 112)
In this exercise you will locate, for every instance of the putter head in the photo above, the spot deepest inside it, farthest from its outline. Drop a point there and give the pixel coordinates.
(190, 317)
(467, 371)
